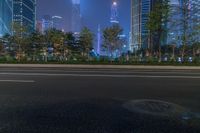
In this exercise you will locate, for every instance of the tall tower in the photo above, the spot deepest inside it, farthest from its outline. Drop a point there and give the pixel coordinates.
(99, 40)
(76, 16)
(114, 12)
(195, 18)
(57, 22)
(24, 13)
(6, 8)
(140, 10)
(174, 33)
(47, 23)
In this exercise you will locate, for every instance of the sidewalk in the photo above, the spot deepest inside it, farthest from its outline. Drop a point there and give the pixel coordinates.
(99, 66)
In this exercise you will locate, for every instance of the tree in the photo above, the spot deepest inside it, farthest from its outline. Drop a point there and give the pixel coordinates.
(195, 39)
(36, 43)
(19, 38)
(69, 40)
(55, 39)
(173, 48)
(196, 49)
(111, 38)
(187, 23)
(86, 41)
(1, 45)
(157, 24)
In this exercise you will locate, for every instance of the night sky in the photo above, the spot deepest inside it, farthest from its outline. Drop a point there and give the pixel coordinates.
(94, 12)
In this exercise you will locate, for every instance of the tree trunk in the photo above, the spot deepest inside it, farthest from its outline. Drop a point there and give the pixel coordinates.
(183, 52)
(173, 52)
(160, 54)
(194, 53)
(19, 58)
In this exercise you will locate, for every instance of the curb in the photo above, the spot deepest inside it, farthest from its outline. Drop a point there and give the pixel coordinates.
(99, 66)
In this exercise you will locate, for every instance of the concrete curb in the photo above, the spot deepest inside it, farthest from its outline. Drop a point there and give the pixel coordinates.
(99, 66)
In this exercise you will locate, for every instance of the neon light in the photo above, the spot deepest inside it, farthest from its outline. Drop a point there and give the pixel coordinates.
(99, 40)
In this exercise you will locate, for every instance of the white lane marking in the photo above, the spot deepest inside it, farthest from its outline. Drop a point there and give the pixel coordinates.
(18, 81)
(111, 72)
(102, 75)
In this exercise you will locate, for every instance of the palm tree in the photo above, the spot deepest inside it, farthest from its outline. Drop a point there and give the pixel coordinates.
(111, 37)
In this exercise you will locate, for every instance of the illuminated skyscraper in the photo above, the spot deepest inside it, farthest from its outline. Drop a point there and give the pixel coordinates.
(24, 13)
(140, 10)
(114, 12)
(183, 11)
(174, 32)
(76, 16)
(98, 49)
(6, 8)
(47, 23)
(39, 26)
(57, 22)
(195, 17)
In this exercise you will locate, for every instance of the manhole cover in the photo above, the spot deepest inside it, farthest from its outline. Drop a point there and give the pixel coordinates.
(154, 107)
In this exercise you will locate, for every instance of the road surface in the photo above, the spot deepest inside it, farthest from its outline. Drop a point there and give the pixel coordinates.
(67, 100)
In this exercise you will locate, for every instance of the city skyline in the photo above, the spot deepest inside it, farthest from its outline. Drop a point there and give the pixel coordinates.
(91, 12)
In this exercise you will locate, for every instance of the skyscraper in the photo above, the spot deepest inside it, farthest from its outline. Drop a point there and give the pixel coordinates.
(174, 31)
(47, 23)
(184, 19)
(24, 13)
(76, 16)
(140, 10)
(114, 12)
(195, 17)
(6, 8)
(39, 26)
(98, 48)
(57, 22)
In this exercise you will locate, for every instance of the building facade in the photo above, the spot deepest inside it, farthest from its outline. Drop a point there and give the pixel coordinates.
(47, 23)
(76, 22)
(6, 12)
(24, 13)
(174, 30)
(39, 26)
(140, 10)
(184, 20)
(57, 23)
(195, 19)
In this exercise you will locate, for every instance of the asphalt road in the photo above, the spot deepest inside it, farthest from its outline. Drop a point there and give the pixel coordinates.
(50, 100)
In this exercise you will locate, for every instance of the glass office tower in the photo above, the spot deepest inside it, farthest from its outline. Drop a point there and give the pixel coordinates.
(24, 13)
(140, 10)
(187, 11)
(47, 23)
(5, 17)
(195, 18)
(174, 24)
(76, 16)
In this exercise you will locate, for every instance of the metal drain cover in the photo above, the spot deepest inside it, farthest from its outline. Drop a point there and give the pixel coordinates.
(154, 107)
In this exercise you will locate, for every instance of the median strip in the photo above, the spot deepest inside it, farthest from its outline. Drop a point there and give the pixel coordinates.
(18, 81)
(103, 75)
